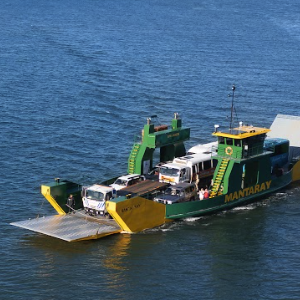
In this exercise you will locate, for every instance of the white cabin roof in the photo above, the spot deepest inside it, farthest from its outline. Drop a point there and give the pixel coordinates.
(287, 127)
(192, 158)
(203, 148)
(173, 166)
(100, 188)
(126, 177)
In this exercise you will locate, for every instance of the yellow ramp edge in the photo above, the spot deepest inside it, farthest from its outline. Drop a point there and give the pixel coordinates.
(45, 190)
(137, 214)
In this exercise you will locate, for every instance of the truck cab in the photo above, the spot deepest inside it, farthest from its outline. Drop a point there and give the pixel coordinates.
(174, 173)
(94, 199)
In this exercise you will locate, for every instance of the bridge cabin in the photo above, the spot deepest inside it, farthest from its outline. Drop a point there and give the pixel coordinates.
(242, 159)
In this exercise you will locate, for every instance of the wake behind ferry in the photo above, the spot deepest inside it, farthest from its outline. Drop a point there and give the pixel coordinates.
(243, 165)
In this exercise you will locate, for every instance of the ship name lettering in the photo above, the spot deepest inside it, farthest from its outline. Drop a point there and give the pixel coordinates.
(248, 191)
(172, 135)
(129, 208)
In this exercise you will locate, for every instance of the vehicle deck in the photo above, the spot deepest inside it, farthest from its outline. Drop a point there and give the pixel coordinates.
(143, 187)
(71, 227)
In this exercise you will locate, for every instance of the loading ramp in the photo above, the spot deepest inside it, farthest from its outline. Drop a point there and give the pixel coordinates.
(71, 227)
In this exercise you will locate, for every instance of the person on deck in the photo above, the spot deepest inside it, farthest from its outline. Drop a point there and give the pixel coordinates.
(206, 194)
(201, 194)
(71, 203)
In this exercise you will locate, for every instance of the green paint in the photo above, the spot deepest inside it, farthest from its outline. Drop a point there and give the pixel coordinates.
(169, 140)
(60, 190)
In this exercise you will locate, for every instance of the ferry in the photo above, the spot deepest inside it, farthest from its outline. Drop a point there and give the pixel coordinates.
(249, 166)
(245, 164)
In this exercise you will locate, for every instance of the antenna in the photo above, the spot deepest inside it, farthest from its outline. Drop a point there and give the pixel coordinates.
(232, 99)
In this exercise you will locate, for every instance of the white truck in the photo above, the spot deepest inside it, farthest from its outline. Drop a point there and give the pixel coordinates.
(94, 199)
(95, 196)
(193, 167)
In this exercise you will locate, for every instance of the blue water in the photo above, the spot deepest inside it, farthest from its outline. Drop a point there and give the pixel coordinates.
(78, 80)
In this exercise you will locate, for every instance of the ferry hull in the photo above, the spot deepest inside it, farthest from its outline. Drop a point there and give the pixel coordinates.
(137, 214)
(226, 202)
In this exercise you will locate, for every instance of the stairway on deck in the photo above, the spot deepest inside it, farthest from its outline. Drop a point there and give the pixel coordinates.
(219, 178)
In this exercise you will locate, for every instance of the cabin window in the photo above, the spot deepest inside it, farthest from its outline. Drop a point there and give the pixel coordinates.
(108, 196)
(183, 174)
(229, 141)
(215, 163)
(194, 169)
(200, 167)
(221, 140)
(188, 173)
(280, 149)
(238, 143)
(207, 164)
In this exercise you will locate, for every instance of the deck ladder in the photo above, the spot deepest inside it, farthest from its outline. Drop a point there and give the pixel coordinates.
(216, 188)
(132, 158)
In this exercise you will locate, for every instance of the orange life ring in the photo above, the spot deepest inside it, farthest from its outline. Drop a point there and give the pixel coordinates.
(229, 151)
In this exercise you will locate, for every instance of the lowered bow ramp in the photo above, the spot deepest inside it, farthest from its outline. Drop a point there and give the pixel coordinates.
(71, 227)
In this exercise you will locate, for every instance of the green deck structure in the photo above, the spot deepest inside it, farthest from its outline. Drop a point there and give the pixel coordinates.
(169, 140)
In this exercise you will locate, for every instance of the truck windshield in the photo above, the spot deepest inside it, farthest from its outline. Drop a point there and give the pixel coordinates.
(168, 171)
(94, 195)
(170, 191)
(121, 182)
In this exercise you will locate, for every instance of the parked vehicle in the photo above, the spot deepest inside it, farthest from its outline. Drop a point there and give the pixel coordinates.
(94, 199)
(198, 167)
(127, 180)
(181, 192)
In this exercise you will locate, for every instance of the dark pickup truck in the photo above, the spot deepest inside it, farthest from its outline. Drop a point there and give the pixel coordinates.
(180, 192)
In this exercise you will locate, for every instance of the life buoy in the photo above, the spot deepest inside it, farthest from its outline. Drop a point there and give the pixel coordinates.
(229, 151)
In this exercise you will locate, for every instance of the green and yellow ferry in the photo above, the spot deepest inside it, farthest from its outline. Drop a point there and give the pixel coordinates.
(248, 166)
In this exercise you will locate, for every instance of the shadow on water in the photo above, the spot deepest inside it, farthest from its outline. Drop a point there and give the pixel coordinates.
(46, 243)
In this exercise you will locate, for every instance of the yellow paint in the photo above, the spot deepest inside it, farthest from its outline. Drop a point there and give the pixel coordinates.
(172, 135)
(248, 191)
(114, 256)
(137, 214)
(296, 171)
(228, 151)
(167, 178)
(243, 132)
(97, 236)
(45, 190)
